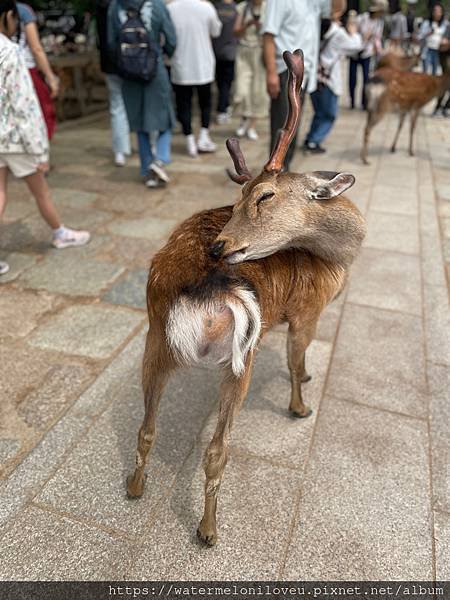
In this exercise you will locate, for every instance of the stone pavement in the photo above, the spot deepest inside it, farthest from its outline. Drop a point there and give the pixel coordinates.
(359, 490)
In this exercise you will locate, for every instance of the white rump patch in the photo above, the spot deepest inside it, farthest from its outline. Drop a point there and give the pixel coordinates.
(186, 335)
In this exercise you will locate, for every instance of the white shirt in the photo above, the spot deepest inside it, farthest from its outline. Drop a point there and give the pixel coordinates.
(196, 22)
(340, 43)
(296, 24)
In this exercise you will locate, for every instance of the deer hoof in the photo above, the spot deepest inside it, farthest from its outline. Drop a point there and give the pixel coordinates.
(306, 377)
(207, 536)
(303, 413)
(135, 488)
(393, 149)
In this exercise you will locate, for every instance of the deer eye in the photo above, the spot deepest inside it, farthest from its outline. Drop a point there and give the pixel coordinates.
(265, 196)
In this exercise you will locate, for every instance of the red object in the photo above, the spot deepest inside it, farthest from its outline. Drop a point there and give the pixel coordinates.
(45, 100)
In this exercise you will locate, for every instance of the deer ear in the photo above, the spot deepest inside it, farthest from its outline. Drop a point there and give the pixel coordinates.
(325, 185)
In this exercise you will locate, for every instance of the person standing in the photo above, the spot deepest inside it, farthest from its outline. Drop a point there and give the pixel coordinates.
(370, 26)
(193, 66)
(398, 33)
(46, 83)
(119, 121)
(23, 135)
(432, 31)
(443, 101)
(225, 52)
(291, 24)
(250, 94)
(336, 42)
(148, 104)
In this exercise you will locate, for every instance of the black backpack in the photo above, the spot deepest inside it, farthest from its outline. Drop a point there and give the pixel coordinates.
(137, 58)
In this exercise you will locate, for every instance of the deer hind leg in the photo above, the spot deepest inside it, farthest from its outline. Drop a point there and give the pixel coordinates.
(399, 128)
(233, 392)
(297, 342)
(156, 371)
(414, 116)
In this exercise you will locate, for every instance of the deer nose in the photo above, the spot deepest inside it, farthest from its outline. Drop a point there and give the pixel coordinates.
(216, 249)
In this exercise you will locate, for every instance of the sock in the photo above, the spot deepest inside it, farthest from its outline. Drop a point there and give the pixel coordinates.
(59, 231)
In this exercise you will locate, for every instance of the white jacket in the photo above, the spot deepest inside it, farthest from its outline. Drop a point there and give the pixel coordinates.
(339, 44)
(22, 126)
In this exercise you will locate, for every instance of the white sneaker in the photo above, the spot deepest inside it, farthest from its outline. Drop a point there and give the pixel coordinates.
(242, 129)
(223, 118)
(205, 143)
(252, 134)
(191, 145)
(158, 167)
(66, 237)
(4, 267)
(119, 159)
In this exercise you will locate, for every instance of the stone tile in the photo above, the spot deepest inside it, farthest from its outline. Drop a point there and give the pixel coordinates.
(439, 384)
(130, 290)
(442, 538)
(44, 546)
(443, 190)
(364, 512)
(38, 466)
(133, 252)
(151, 228)
(73, 198)
(20, 311)
(105, 458)
(386, 280)
(446, 227)
(18, 263)
(378, 360)
(432, 260)
(253, 526)
(92, 330)
(392, 199)
(388, 231)
(444, 208)
(31, 233)
(264, 427)
(437, 323)
(18, 209)
(67, 274)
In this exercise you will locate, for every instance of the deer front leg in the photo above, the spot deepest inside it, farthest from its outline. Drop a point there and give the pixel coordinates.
(414, 116)
(297, 342)
(155, 374)
(233, 392)
(399, 128)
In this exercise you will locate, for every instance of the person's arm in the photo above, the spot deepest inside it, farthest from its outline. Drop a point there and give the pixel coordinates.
(215, 24)
(338, 8)
(270, 53)
(241, 26)
(168, 29)
(33, 41)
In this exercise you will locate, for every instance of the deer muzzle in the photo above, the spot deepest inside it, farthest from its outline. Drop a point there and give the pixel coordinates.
(231, 251)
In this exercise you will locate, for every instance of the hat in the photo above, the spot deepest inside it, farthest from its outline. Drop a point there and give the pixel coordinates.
(378, 6)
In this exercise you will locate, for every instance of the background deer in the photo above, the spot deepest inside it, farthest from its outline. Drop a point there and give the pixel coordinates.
(394, 60)
(210, 302)
(404, 92)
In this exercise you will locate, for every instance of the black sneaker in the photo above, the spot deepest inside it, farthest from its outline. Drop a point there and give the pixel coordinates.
(313, 148)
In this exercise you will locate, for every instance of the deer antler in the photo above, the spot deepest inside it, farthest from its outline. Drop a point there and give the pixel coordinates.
(295, 65)
(243, 174)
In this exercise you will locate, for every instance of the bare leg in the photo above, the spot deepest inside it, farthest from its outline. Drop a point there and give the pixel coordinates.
(3, 188)
(232, 395)
(40, 190)
(156, 371)
(414, 116)
(298, 340)
(400, 125)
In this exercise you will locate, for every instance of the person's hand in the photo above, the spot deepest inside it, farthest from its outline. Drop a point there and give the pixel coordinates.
(273, 85)
(352, 28)
(43, 167)
(53, 84)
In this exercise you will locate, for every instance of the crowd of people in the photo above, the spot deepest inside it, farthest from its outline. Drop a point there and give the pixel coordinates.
(185, 47)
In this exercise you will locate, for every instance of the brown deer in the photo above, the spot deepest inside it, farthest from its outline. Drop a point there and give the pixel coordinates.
(210, 302)
(393, 60)
(403, 92)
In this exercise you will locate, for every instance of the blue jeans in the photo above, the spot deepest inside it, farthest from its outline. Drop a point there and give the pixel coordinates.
(119, 120)
(431, 60)
(325, 103)
(162, 149)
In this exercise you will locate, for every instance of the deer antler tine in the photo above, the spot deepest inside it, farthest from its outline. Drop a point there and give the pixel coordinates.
(295, 65)
(243, 174)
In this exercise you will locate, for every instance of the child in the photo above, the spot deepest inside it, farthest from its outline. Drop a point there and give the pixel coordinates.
(23, 136)
(336, 41)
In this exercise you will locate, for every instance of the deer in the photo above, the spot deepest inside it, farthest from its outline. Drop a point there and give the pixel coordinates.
(394, 60)
(228, 275)
(403, 92)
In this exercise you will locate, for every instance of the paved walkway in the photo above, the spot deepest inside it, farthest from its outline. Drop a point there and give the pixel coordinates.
(359, 490)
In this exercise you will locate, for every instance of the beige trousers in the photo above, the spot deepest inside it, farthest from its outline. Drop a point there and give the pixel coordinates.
(250, 97)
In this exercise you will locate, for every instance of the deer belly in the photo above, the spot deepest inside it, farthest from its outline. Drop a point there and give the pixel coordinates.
(214, 332)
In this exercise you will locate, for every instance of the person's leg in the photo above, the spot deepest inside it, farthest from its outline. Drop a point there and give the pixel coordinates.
(365, 64)
(145, 151)
(353, 65)
(3, 189)
(316, 101)
(222, 103)
(228, 81)
(163, 146)
(119, 121)
(38, 186)
(183, 98)
(279, 108)
(204, 100)
(434, 61)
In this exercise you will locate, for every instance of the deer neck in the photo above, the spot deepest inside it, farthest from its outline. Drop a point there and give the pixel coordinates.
(335, 236)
